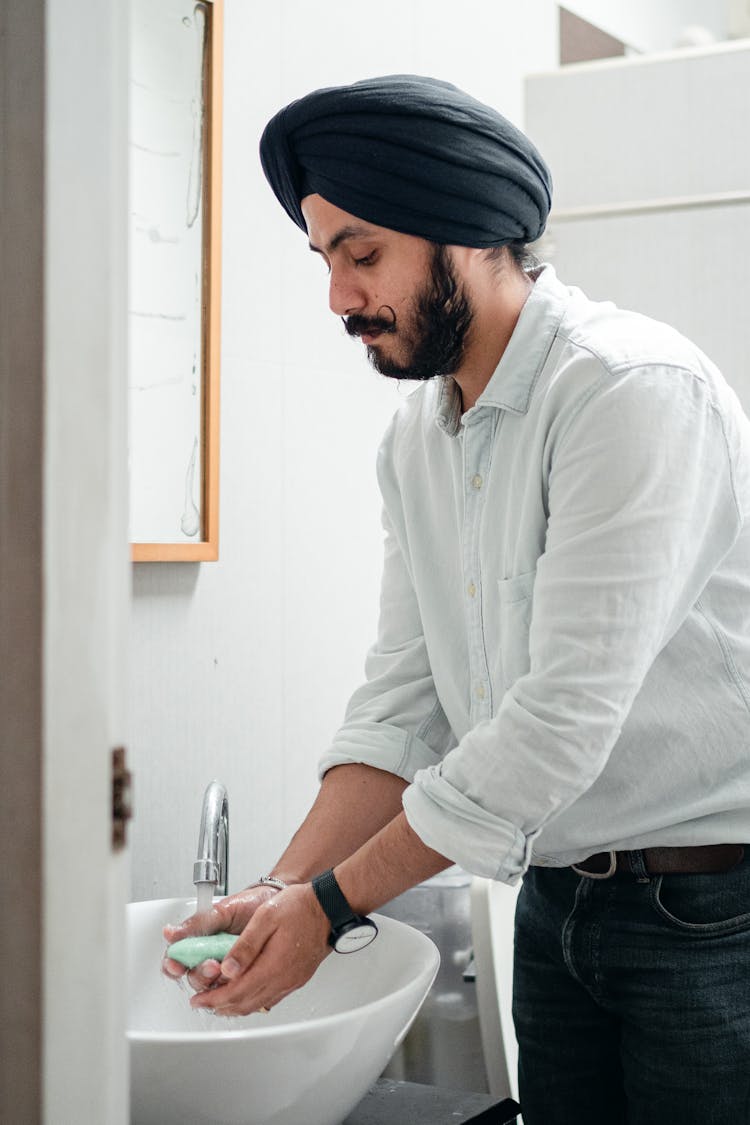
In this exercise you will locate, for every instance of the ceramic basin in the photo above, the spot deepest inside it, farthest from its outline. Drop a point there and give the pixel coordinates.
(308, 1062)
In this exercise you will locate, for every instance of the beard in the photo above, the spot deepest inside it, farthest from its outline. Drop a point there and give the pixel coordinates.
(435, 340)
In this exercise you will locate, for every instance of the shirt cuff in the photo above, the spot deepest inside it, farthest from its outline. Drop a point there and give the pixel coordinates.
(451, 824)
(380, 745)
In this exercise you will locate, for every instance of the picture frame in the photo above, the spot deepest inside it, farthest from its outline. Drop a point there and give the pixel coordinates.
(175, 272)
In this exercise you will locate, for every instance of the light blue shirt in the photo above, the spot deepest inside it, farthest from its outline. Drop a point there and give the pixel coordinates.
(563, 655)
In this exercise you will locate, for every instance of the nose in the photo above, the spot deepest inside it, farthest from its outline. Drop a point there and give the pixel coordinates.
(345, 294)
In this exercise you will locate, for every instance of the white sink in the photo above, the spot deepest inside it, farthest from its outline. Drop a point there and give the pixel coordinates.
(308, 1062)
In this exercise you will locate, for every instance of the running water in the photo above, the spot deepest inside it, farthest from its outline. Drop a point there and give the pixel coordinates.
(205, 896)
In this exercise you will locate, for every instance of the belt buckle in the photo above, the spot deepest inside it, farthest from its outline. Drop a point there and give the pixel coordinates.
(599, 874)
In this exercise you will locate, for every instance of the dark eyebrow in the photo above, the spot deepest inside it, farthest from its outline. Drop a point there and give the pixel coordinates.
(341, 236)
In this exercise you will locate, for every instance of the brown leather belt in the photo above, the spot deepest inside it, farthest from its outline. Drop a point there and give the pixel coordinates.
(706, 859)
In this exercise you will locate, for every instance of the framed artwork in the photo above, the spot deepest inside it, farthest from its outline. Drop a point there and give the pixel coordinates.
(175, 276)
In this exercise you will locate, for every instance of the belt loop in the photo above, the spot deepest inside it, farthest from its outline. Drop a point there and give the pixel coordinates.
(638, 866)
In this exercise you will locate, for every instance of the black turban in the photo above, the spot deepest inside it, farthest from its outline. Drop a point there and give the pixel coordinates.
(413, 154)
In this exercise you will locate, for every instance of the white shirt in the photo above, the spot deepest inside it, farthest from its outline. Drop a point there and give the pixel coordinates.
(563, 655)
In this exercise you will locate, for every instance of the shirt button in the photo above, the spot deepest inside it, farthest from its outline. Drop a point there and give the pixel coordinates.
(477, 481)
(479, 691)
(471, 589)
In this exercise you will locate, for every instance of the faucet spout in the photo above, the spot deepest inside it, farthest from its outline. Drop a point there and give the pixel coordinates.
(212, 863)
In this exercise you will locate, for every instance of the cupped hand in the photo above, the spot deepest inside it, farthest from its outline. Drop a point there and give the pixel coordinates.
(281, 945)
(230, 916)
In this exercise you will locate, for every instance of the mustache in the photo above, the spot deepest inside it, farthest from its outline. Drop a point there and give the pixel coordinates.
(356, 325)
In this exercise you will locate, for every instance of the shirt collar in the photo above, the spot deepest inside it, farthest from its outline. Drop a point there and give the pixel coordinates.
(513, 379)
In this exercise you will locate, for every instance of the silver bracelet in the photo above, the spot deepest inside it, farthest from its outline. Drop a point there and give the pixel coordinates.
(271, 881)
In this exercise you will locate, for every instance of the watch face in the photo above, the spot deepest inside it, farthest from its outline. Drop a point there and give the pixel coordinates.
(354, 936)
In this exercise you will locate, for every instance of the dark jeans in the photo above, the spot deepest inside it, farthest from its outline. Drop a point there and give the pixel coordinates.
(632, 998)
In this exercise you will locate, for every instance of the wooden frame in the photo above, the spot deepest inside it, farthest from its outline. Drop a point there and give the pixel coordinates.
(207, 548)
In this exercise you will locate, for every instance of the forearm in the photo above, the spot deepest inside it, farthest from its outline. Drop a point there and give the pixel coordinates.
(356, 826)
(386, 865)
(354, 803)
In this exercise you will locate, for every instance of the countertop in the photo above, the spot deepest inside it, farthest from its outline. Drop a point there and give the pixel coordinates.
(408, 1103)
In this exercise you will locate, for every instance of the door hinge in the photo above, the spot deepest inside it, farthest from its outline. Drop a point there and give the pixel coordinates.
(122, 798)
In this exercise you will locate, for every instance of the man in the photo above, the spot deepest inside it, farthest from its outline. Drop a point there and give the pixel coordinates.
(560, 688)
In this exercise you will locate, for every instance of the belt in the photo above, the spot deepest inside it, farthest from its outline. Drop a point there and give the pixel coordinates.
(706, 859)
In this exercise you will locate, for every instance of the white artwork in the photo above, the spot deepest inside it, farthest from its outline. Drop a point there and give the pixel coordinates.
(168, 42)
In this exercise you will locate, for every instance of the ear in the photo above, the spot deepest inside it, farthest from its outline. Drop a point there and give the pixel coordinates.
(463, 256)
(468, 260)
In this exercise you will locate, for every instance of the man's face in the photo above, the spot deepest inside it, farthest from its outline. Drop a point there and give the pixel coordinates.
(398, 293)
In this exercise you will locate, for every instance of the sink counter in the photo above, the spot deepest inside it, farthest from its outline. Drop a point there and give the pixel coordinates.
(392, 1103)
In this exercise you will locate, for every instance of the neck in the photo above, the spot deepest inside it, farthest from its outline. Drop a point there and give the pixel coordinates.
(496, 313)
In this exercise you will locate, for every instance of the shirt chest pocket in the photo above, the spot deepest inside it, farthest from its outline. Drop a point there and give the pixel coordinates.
(515, 600)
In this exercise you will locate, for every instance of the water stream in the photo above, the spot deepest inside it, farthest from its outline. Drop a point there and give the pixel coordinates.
(205, 896)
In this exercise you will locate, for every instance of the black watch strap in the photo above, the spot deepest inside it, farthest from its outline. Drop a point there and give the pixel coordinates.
(332, 899)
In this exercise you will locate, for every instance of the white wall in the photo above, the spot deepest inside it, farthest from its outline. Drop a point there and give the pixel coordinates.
(647, 26)
(242, 668)
(609, 208)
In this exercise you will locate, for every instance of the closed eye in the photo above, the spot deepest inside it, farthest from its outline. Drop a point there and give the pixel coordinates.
(366, 261)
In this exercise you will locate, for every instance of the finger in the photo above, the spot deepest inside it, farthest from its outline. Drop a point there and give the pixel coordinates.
(230, 915)
(197, 925)
(236, 998)
(242, 991)
(172, 968)
(210, 1001)
(273, 975)
(204, 976)
(250, 943)
(256, 990)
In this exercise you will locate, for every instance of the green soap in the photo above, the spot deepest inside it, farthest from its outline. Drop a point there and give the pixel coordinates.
(192, 950)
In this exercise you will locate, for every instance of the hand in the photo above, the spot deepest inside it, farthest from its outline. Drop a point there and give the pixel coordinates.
(279, 949)
(231, 915)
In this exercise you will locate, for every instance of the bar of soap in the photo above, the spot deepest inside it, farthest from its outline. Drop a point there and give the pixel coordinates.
(191, 951)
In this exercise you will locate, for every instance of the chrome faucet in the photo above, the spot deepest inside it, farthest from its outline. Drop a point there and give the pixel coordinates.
(212, 863)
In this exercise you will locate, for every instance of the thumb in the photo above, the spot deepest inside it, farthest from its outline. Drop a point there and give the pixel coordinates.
(197, 925)
(251, 941)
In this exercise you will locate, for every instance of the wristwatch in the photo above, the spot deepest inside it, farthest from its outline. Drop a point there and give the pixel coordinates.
(349, 931)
